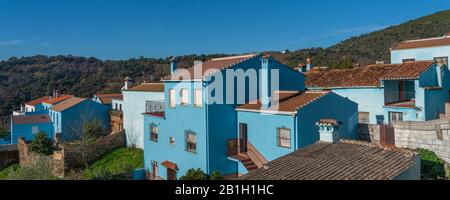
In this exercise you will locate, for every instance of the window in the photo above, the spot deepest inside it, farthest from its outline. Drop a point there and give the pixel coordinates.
(172, 100)
(364, 117)
(35, 130)
(441, 60)
(409, 60)
(395, 116)
(198, 98)
(191, 142)
(284, 137)
(120, 107)
(116, 107)
(184, 96)
(172, 141)
(154, 133)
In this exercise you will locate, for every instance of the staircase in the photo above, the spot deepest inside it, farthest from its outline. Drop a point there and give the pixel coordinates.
(252, 159)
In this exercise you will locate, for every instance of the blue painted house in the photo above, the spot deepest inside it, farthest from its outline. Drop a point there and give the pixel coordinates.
(28, 126)
(436, 49)
(199, 114)
(69, 116)
(266, 133)
(411, 91)
(106, 99)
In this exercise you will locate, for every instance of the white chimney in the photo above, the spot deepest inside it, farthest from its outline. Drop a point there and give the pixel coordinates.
(127, 84)
(329, 130)
(173, 66)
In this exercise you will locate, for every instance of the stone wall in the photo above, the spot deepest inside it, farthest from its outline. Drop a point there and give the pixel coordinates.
(431, 135)
(116, 122)
(369, 132)
(70, 156)
(8, 155)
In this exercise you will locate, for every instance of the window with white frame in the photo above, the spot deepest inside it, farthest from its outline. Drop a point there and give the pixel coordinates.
(172, 99)
(184, 96)
(284, 137)
(441, 60)
(191, 142)
(198, 98)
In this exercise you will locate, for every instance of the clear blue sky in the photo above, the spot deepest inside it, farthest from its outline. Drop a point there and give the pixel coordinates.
(120, 29)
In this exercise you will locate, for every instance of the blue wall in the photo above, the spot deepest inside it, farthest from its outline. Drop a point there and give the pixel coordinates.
(70, 121)
(25, 130)
(397, 56)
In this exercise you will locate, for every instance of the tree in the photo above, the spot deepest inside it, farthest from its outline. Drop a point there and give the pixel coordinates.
(4, 133)
(194, 174)
(216, 176)
(432, 166)
(92, 131)
(42, 144)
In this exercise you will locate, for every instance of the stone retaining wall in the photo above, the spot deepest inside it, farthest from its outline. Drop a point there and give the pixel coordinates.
(8, 155)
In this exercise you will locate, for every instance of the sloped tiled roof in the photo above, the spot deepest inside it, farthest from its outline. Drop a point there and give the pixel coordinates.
(409, 70)
(148, 87)
(430, 42)
(60, 99)
(107, 98)
(37, 101)
(345, 160)
(67, 104)
(289, 101)
(368, 76)
(211, 66)
(31, 119)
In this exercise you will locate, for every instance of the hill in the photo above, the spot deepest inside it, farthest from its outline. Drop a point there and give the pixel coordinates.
(26, 78)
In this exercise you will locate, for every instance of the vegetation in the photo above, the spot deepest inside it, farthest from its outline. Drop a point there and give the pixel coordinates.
(116, 165)
(42, 144)
(198, 174)
(4, 133)
(92, 131)
(432, 166)
(40, 170)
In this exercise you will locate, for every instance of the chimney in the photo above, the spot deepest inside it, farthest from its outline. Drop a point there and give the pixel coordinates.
(329, 130)
(127, 84)
(309, 64)
(173, 66)
(265, 81)
(22, 109)
(57, 95)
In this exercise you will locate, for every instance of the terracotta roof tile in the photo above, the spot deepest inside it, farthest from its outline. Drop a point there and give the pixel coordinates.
(67, 104)
(148, 87)
(31, 119)
(403, 104)
(211, 66)
(368, 76)
(430, 42)
(289, 101)
(333, 122)
(409, 70)
(60, 99)
(107, 98)
(345, 160)
(37, 101)
(169, 165)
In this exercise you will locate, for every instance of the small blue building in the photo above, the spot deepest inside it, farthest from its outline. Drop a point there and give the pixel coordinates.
(106, 99)
(69, 116)
(199, 115)
(266, 133)
(28, 126)
(411, 91)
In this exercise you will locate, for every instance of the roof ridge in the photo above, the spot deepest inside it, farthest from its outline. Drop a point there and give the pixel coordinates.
(233, 57)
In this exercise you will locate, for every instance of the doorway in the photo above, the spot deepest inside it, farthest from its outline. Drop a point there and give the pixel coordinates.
(243, 137)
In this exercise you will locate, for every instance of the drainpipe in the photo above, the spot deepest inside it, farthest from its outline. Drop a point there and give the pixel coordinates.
(295, 131)
(206, 127)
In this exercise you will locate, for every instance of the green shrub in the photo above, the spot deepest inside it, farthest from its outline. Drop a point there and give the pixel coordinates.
(92, 131)
(432, 166)
(42, 144)
(216, 176)
(194, 174)
(39, 170)
(4, 133)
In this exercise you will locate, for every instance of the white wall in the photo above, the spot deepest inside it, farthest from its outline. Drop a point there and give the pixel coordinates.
(133, 121)
(429, 53)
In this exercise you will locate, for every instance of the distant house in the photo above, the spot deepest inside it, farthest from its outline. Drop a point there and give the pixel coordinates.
(117, 103)
(55, 100)
(412, 91)
(335, 159)
(436, 49)
(138, 99)
(69, 116)
(28, 126)
(288, 125)
(36, 105)
(106, 99)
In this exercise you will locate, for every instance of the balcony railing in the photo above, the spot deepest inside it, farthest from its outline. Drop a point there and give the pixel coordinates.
(154, 106)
